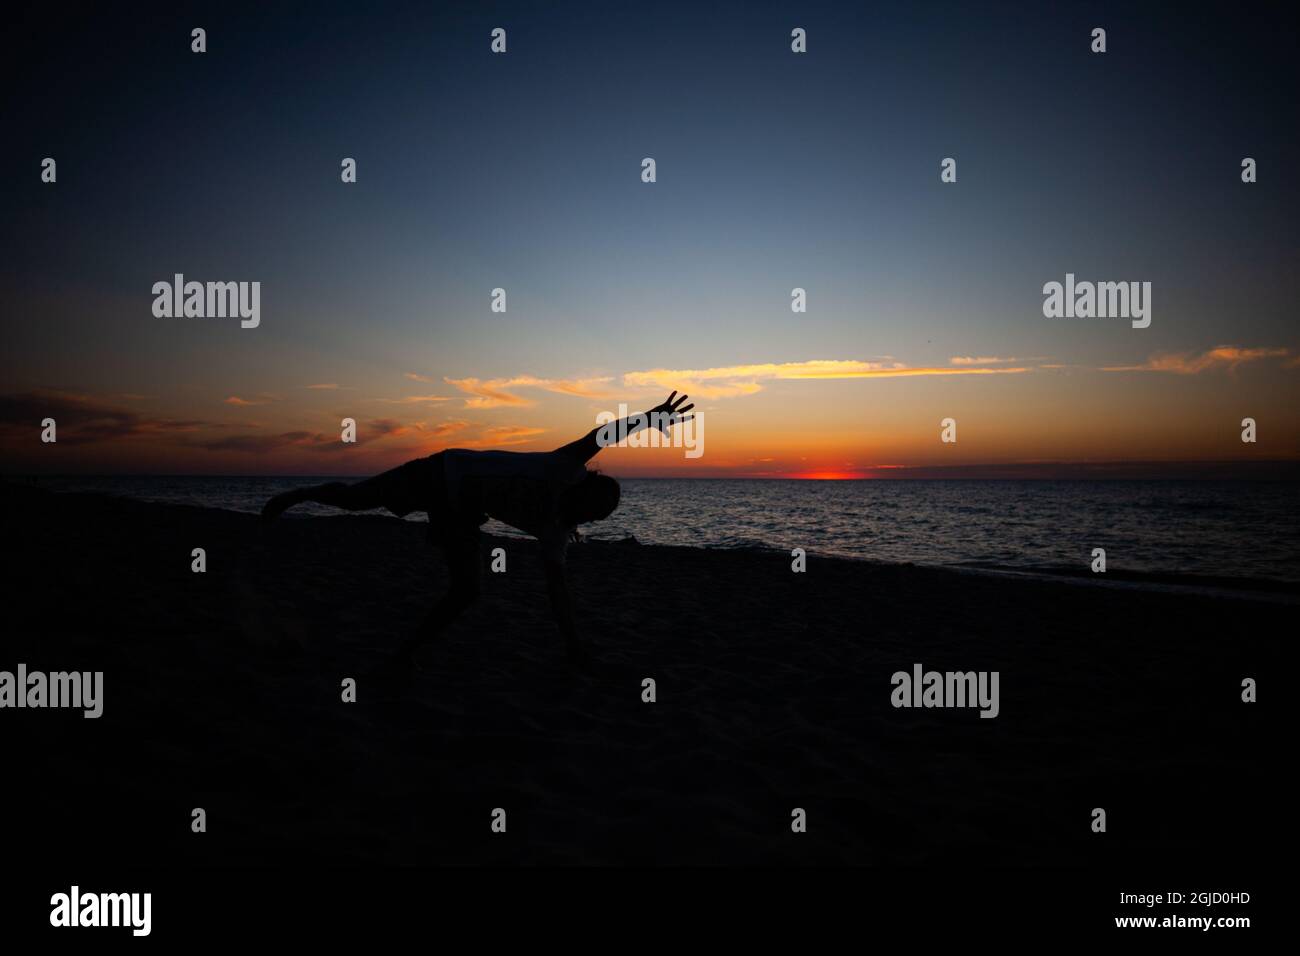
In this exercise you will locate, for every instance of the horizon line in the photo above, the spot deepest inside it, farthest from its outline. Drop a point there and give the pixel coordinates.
(1283, 469)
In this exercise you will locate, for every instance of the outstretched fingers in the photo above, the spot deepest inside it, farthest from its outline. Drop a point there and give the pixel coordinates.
(671, 412)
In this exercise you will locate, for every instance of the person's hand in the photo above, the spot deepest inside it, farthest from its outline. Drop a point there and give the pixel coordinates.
(670, 413)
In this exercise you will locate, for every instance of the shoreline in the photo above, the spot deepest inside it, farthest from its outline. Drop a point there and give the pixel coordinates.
(1274, 590)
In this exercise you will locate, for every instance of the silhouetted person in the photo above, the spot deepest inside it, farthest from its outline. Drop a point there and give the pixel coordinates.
(544, 494)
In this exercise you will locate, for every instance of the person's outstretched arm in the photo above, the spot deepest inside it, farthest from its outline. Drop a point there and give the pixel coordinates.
(662, 416)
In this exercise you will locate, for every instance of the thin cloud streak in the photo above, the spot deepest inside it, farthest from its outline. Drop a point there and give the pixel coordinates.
(731, 381)
(263, 399)
(496, 393)
(1193, 363)
(414, 399)
(500, 435)
(986, 360)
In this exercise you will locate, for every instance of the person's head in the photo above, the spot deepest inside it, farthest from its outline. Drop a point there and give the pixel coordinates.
(591, 499)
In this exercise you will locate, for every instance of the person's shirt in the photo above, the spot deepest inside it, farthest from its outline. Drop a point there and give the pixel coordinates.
(521, 489)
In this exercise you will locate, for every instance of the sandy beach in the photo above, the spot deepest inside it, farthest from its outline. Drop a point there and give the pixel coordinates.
(222, 690)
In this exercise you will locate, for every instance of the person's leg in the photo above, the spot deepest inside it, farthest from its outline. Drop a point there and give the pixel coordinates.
(362, 496)
(401, 490)
(462, 555)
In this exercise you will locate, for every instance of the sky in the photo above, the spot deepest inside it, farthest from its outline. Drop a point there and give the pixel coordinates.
(774, 171)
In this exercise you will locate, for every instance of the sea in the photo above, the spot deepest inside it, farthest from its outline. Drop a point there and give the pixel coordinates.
(1209, 534)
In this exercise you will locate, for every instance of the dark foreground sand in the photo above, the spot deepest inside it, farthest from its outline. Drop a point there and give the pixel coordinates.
(223, 692)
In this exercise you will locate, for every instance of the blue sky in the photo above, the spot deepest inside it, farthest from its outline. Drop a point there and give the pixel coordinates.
(775, 170)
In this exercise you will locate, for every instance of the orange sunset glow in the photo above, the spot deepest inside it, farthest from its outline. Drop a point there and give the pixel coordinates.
(817, 420)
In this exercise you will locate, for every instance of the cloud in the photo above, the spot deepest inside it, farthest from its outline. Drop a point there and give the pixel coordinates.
(386, 426)
(329, 386)
(504, 435)
(82, 419)
(414, 399)
(261, 444)
(264, 399)
(734, 380)
(724, 382)
(495, 393)
(581, 387)
(313, 441)
(984, 360)
(416, 377)
(1193, 363)
(487, 394)
(443, 428)
(665, 380)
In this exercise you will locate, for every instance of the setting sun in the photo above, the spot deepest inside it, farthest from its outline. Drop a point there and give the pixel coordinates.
(828, 475)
